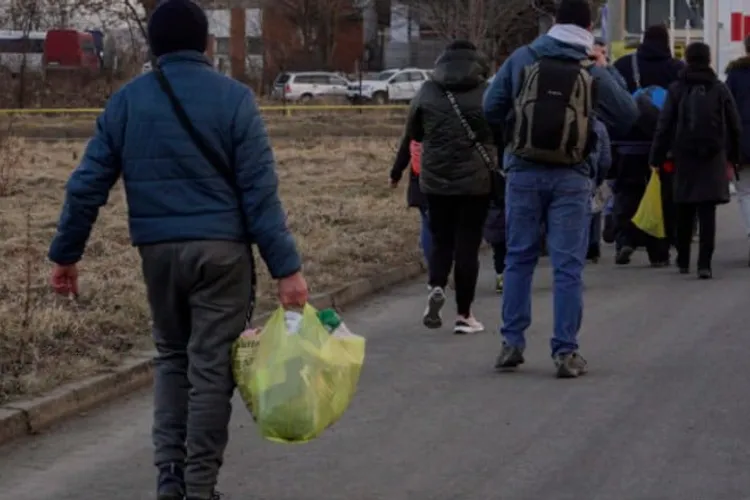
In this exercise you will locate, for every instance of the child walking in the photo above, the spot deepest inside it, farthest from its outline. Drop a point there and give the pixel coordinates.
(410, 156)
(600, 162)
(494, 228)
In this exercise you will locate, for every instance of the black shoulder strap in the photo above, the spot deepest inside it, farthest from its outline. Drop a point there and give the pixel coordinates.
(200, 142)
(469, 131)
(215, 160)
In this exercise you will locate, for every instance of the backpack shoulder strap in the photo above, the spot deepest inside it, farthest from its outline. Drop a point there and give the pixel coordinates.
(636, 70)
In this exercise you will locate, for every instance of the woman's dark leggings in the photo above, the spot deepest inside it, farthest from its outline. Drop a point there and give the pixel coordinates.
(456, 224)
(686, 216)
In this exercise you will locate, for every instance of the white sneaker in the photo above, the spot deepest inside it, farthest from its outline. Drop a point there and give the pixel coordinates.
(433, 317)
(467, 325)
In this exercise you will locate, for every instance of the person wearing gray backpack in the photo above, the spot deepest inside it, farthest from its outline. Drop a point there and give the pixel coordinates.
(545, 98)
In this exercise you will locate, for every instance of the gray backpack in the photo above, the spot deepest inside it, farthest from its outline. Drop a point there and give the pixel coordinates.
(553, 112)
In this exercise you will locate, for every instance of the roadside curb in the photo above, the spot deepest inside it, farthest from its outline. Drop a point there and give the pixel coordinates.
(29, 417)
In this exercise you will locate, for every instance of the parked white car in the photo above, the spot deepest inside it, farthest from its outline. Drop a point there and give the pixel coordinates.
(391, 85)
(305, 86)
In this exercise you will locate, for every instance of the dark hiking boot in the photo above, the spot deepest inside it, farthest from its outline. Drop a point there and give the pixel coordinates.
(624, 255)
(705, 274)
(570, 365)
(433, 317)
(171, 483)
(509, 358)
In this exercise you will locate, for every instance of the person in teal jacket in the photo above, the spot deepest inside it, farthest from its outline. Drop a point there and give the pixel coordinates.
(188, 225)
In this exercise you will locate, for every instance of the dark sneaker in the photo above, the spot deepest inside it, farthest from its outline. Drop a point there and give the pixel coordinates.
(705, 274)
(509, 358)
(499, 283)
(624, 255)
(570, 365)
(433, 317)
(171, 483)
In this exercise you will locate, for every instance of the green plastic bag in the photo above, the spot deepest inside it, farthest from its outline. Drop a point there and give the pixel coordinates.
(650, 215)
(302, 382)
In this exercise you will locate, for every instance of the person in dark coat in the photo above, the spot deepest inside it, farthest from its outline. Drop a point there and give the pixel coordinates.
(738, 82)
(409, 156)
(701, 174)
(653, 59)
(454, 175)
(651, 65)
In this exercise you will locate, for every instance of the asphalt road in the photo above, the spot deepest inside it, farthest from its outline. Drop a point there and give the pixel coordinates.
(663, 414)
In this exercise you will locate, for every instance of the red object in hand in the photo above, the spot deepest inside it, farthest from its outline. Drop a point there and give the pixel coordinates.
(668, 167)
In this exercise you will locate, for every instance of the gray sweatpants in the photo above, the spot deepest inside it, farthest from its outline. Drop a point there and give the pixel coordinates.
(198, 292)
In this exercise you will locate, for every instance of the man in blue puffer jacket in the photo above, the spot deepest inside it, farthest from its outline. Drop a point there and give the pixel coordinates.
(560, 197)
(185, 220)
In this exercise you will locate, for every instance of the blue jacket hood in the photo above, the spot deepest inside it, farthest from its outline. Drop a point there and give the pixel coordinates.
(546, 46)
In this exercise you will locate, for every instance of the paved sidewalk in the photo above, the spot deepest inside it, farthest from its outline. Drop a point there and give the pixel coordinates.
(663, 415)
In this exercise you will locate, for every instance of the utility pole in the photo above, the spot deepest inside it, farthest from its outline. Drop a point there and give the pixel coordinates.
(237, 42)
(615, 21)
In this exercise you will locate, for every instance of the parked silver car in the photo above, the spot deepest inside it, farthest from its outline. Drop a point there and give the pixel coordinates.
(304, 86)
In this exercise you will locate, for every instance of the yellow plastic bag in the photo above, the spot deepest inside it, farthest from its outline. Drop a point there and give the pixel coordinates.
(302, 382)
(650, 215)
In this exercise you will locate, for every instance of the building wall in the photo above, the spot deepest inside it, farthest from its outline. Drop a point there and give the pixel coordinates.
(657, 11)
(219, 23)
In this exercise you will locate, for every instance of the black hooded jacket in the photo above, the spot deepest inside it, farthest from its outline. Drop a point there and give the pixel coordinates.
(738, 82)
(451, 164)
(655, 64)
(697, 180)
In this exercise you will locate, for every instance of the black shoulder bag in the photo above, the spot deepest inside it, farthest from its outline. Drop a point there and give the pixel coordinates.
(218, 163)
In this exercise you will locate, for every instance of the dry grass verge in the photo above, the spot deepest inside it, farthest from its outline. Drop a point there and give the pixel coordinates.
(349, 224)
(299, 125)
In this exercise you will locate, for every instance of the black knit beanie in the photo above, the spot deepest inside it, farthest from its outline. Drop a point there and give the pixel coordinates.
(698, 54)
(657, 34)
(177, 25)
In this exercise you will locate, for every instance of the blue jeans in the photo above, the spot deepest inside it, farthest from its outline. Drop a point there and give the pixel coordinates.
(425, 237)
(561, 198)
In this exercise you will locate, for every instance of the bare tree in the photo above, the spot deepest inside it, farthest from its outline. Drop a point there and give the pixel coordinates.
(314, 25)
(497, 27)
